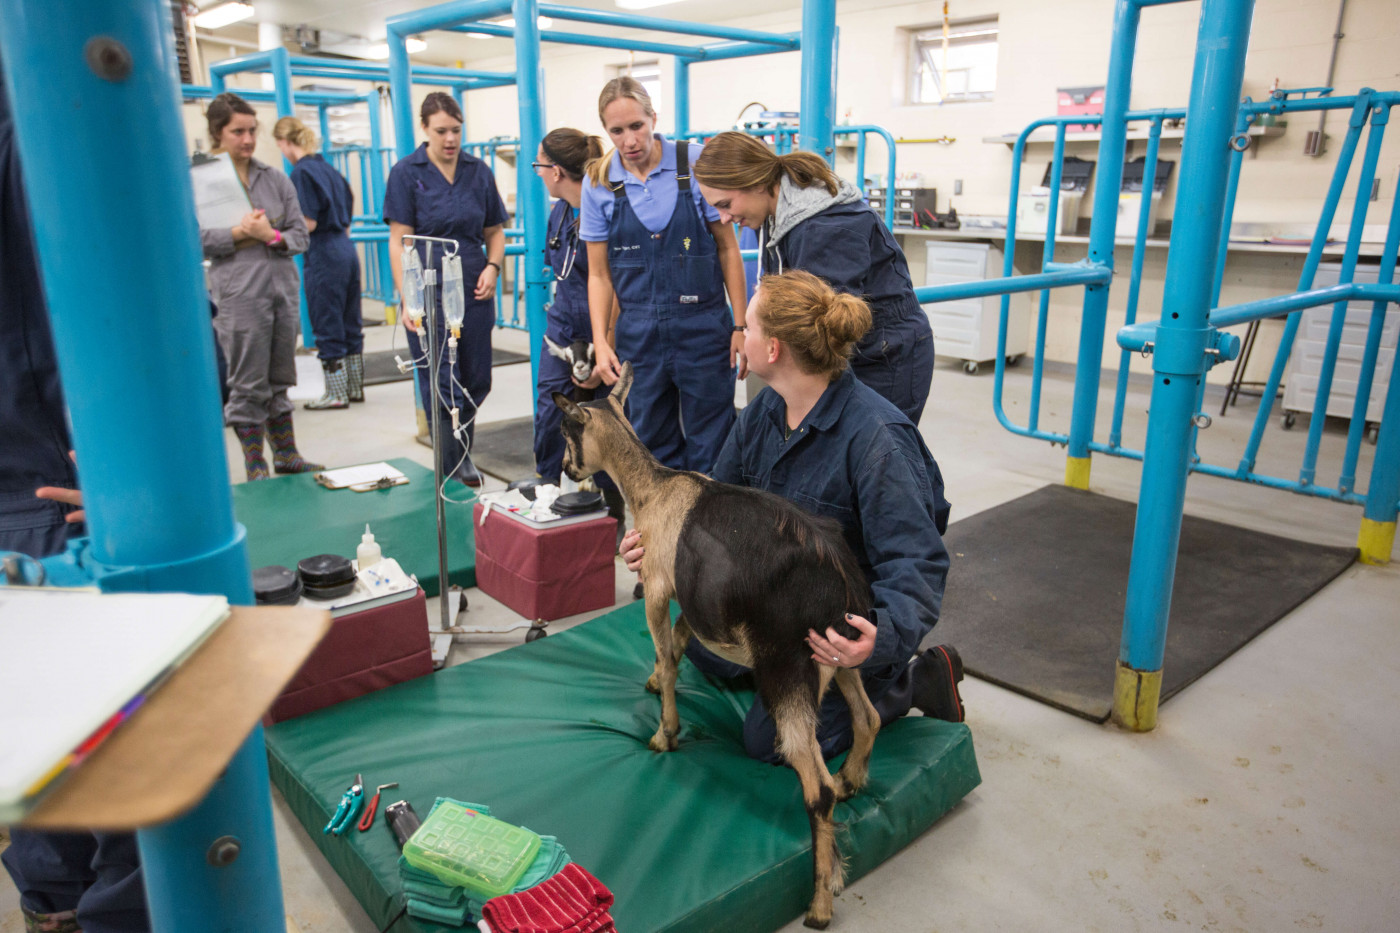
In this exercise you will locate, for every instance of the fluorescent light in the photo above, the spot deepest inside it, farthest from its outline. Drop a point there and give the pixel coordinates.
(642, 4)
(225, 14)
(544, 22)
(380, 50)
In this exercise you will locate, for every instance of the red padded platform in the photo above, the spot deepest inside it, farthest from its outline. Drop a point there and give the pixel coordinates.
(546, 573)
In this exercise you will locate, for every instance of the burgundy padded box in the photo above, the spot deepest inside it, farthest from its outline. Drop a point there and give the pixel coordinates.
(546, 573)
(362, 652)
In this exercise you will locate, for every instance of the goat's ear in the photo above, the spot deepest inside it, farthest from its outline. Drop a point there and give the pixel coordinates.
(569, 407)
(624, 384)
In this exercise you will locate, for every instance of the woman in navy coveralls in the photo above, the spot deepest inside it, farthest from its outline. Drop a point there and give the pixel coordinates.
(657, 248)
(332, 279)
(827, 442)
(441, 191)
(808, 218)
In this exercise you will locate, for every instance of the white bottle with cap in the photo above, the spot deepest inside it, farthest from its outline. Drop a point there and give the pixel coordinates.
(368, 553)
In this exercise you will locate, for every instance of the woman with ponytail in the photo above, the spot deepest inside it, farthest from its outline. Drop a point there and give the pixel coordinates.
(332, 266)
(661, 253)
(808, 218)
(829, 443)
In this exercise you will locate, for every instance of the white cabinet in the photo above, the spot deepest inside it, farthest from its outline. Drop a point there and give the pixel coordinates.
(966, 329)
(1310, 349)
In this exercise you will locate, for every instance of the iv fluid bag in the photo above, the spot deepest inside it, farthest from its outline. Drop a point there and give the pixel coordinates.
(412, 285)
(454, 301)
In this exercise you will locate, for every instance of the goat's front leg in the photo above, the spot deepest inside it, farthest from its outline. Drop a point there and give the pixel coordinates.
(680, 637)
(659, 621)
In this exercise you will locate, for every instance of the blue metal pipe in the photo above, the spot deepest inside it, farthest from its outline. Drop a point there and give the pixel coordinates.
(722, 51)
(1057, 161)
(444, 16)
(1384, 276)
(1374, 138)
(582, 38)
(819, 79)
(144, 401)
(1360, 108)
(890, 153)
(682, 97)
(202, 92)
(532, 204)
(1149, 178)
(1071, 274)
(368, 71)
(1221, 44)
(656, 24)
(1384, 487)
(1117, 91)
(1283, 304)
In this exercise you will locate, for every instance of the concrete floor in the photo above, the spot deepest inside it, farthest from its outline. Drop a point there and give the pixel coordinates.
(1258, 804)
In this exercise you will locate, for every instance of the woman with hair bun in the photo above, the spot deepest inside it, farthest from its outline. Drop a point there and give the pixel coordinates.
(254, 283)
(440, 191)
(822, 439)
(808, 218)
(332, 265)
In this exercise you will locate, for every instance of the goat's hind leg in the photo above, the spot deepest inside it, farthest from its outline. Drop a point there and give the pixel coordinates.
(664, 674)
(865, 722)
(680, 637)
(796, 720)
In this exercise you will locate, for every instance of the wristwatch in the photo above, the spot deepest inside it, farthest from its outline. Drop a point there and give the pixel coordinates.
(740, 328)
(496, 264)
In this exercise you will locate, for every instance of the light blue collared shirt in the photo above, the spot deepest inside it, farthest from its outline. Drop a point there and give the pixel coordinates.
(653, 200)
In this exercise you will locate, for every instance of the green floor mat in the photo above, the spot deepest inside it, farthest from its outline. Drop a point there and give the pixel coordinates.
(292, 517)
(552, 735)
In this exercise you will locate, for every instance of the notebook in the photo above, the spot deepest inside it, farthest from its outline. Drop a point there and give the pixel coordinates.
(71, 662)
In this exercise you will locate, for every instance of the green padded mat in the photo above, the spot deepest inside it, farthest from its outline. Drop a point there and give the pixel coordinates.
(552, 735)
(292, 517)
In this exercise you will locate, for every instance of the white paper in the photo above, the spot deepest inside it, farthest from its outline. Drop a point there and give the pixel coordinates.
(220, 200)
(361, 475)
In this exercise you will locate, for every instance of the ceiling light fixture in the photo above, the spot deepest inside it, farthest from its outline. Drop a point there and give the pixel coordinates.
(380, 50)
(224, 14)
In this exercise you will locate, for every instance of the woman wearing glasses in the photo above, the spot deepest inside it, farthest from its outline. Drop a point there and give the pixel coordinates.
(560, 163)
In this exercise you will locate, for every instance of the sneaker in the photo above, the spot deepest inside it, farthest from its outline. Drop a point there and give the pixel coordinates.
(936, 675)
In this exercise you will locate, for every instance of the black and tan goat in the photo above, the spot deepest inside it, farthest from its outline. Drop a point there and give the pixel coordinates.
(752, 573)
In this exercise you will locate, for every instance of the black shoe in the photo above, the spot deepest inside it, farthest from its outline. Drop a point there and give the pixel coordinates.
(637, 591)
(936, 675)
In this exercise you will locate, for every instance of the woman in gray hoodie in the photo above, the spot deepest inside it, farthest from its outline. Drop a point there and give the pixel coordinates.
(808, 218)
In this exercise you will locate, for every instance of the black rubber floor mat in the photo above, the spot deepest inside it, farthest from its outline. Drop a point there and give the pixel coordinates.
(1036, 593)
(381, 368)
(506, 449)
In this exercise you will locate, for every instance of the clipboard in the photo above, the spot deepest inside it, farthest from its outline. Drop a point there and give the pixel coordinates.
(220, 200)
(362, 478)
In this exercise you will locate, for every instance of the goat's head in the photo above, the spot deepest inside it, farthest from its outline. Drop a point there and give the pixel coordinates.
(593, 430)
(579, 356)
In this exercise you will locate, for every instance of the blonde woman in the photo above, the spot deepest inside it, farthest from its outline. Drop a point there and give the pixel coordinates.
(332, 265)
(656, 246)
(822, 439)
(808, 218)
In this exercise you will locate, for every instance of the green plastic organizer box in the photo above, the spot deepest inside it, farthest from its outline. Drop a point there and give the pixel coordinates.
(481, 853)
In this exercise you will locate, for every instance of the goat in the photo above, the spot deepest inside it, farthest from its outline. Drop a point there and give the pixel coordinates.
(752, 573)
(579, 356)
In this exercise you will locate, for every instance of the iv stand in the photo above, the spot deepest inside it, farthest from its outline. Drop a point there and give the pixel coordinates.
(449, 248)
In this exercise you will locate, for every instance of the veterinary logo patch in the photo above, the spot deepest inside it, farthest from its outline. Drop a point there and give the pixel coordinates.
(686, 241)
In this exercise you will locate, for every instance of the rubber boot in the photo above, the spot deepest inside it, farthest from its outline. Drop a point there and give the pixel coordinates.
(337, 390)
(285, 458)
(250, 436)
(62, 922)
(355, 365)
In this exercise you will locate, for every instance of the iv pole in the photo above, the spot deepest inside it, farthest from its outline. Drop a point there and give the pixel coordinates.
(449, 248)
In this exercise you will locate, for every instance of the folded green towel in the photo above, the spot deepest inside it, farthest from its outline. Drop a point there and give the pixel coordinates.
(444, 915)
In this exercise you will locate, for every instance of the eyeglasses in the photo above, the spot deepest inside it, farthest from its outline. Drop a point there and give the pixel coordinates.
(539, 165)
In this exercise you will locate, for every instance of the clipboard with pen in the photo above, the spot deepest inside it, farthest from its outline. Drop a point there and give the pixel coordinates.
(365, 477)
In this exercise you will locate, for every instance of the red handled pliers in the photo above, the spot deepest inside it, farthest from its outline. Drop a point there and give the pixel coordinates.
(367, 820)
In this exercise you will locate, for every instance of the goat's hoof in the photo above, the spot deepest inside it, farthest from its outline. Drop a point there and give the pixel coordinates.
(815, 922)
(661, 742)
(846, 788)
(653, 685)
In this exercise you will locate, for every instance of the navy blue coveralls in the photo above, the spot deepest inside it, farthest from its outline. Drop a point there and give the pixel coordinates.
(854, 458)
(675, 328)
(417, 194)
(332, 266)
(566, 320)
(849, 247)
(98, 875)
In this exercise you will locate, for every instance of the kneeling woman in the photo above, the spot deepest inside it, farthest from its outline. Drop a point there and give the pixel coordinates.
(822, 439)
(808, 218)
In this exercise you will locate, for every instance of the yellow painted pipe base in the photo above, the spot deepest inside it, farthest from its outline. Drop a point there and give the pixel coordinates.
(391, 315)
(1077, 472)
(1135, 698)
(1375, 541)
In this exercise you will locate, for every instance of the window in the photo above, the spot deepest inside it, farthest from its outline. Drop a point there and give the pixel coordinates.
(956, 61)
(648, 73)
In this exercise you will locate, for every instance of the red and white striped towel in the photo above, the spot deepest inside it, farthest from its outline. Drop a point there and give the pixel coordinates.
(573, 901)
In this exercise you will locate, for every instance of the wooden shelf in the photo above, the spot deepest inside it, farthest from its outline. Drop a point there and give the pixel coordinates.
(1046, 135)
